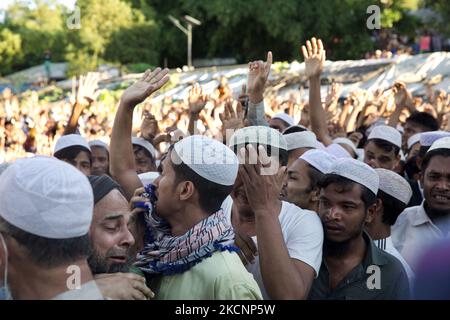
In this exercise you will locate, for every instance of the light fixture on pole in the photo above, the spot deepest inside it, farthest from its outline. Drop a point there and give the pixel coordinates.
(187, 31)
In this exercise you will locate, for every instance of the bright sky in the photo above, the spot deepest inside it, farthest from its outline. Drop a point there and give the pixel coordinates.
(5, 3)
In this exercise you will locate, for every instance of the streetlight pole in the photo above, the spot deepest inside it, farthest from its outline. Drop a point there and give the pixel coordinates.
(188, 32)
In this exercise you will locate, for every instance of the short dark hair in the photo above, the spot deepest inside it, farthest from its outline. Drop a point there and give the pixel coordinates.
(49, 253)
(424, 120)
(315, 176)
(72, 152)
(293, 129)
(392, 207)
(436, 152)
(137, 148)
(211, 195)
(385, 145)
(367, 196)
(283, 155)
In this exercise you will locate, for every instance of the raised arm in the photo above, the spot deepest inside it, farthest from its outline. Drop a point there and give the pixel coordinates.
(197, 101)
(81, 99)
(314, 55)
(121, 149)
(258, 73)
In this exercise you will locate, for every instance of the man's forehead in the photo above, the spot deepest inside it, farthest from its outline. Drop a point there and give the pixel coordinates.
(439, 164)
(351, 190)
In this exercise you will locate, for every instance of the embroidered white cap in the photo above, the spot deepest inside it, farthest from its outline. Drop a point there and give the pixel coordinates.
(415, 138)
(148, 177)
(358, 172)
(46, 197)
(285, 117)
(319, 159)
(258, 134)
(442, 143)
(304, 139)
(338, 151)
(209, 158)
(386, 133)
(394, 185)
(346, 141)
(429, 137)
(144, 144)
(70, 140)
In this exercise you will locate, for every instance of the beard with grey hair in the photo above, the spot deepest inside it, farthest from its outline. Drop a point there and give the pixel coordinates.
(99, 263)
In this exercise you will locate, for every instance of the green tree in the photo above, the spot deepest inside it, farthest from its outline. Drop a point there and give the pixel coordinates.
(10, 50)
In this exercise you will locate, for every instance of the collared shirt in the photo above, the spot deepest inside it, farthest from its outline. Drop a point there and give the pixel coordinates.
(387, 246)
(413, 232)
(88, 291)
(378, 277)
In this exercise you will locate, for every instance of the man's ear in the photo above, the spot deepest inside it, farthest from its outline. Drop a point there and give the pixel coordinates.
(374, 210)
(187, 190)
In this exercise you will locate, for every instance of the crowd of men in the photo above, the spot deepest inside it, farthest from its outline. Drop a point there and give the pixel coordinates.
(268, 209)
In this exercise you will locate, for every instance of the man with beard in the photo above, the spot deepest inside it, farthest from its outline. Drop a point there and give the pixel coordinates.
(113, 242)
(417, 227)
(352, 266)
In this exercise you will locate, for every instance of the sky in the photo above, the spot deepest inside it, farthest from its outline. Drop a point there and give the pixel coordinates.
(5, 3)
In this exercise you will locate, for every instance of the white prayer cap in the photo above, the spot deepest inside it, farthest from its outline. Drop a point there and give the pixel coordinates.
(338, 151)
(148, 177)
(429, 137)
(319, 159)
(443, 143)
(415, 138)
(347, 142)
(285, 117)
(394, 185)
(358, 172)
(46, 197)
(209, 158)
(298, 126)
(258, 134)
(386, 133)
(144, 144)
(99, 143)
(304, 139)
(70, 140)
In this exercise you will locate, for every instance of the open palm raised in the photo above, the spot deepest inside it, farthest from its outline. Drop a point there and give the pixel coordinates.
(314, 55)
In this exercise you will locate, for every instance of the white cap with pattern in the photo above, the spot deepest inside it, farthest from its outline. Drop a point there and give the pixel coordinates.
(394, 185)
(429, 137)
(358, 172)
(258, 135)
(209, 158)
(443, 143)
(304, 139)
(70, 140)
(319, 159)
(46, 197)
(386, 133)
(347, 142)
(338, 151)
(98, 143)
(285, 117)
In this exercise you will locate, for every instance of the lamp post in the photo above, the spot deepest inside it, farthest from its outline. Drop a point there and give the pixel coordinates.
(188, 32)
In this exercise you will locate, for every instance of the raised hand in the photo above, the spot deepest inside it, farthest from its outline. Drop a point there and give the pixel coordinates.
(230, 118)
(87, 89)
(258, 72)
(149, 126)
(150, 82)
(314, 55)
(197, 100)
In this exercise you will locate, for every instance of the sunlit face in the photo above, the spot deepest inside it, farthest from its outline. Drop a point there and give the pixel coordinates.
(110, 234)
(100, 161)
(342, 212)
(436, 183)
(379, 158)
(142, 161)
(81, 162)
(297, 188)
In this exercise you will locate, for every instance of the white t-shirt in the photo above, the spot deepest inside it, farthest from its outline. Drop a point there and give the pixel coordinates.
(302, 232)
